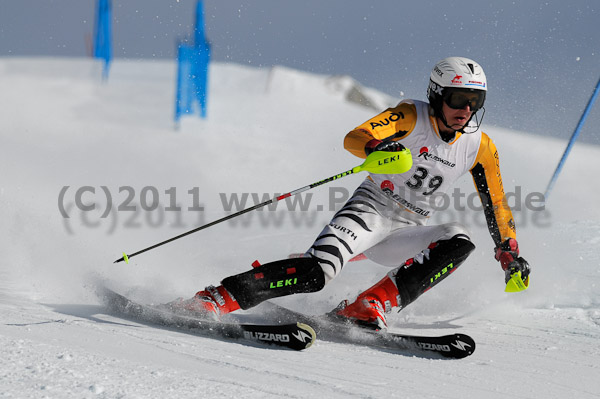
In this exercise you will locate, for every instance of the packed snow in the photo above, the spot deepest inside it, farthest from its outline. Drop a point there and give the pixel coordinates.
(71, 142)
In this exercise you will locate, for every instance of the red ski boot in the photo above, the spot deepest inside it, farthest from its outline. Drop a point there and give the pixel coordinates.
(370, 307)
(210, 303)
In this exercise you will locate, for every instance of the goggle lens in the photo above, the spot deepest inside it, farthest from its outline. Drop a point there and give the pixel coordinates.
(460, 99)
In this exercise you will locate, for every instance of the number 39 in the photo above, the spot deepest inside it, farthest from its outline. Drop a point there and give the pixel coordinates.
(417, 180)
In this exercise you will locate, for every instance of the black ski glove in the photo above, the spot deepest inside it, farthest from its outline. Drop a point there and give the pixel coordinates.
(508, 256)
(378, 145)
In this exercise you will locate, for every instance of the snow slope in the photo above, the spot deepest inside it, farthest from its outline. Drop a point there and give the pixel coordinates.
(268, 131)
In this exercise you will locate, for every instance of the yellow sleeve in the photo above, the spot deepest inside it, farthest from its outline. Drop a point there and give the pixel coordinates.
(393, 124)
(488, 181)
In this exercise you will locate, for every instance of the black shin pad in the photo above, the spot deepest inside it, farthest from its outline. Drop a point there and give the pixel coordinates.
(275, 279)
(414, 280)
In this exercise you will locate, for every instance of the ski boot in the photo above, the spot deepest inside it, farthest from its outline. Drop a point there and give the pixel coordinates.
(407, 282)
(369, 309)
(248, 289)
(210, 303)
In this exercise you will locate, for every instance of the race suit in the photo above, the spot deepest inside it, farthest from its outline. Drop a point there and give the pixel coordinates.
(386, 218)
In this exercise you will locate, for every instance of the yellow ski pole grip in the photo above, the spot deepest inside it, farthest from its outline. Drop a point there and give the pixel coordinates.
(387, 162)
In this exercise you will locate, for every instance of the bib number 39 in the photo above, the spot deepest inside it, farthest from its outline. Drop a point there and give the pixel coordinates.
(417, 181)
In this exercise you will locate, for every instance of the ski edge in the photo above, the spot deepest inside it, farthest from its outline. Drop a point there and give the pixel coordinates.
(311, 331)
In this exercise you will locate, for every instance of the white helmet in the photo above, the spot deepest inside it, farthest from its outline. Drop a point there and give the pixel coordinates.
(454, 75)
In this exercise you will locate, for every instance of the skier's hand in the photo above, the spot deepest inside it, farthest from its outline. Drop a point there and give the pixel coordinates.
(508, 256)
(518, 265)
(378, 145)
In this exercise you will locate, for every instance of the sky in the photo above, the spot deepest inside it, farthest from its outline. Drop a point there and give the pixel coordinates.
(541, 58)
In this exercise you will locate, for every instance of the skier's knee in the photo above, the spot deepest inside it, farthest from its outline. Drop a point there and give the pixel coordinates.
(275, 279)
(454, 229)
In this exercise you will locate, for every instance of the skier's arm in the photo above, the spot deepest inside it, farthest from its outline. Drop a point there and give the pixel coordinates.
(488, 181)
(390, 125)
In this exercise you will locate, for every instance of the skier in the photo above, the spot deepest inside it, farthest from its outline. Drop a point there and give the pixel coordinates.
(386, 218)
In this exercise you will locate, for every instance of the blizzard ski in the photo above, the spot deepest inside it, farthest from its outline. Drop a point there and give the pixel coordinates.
(292, 335)
(456, 346)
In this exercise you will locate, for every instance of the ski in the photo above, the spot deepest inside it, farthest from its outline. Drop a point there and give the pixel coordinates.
(455, 346)
(292, 335)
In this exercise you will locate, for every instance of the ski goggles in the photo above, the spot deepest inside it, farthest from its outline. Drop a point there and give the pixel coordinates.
(460, 98)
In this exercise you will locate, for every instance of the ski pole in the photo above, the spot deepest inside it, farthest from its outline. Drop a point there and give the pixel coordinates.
(379, 162)
(574, 136)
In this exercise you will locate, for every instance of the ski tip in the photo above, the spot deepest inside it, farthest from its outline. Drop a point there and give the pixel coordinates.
(305, 333)
(464, 345)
